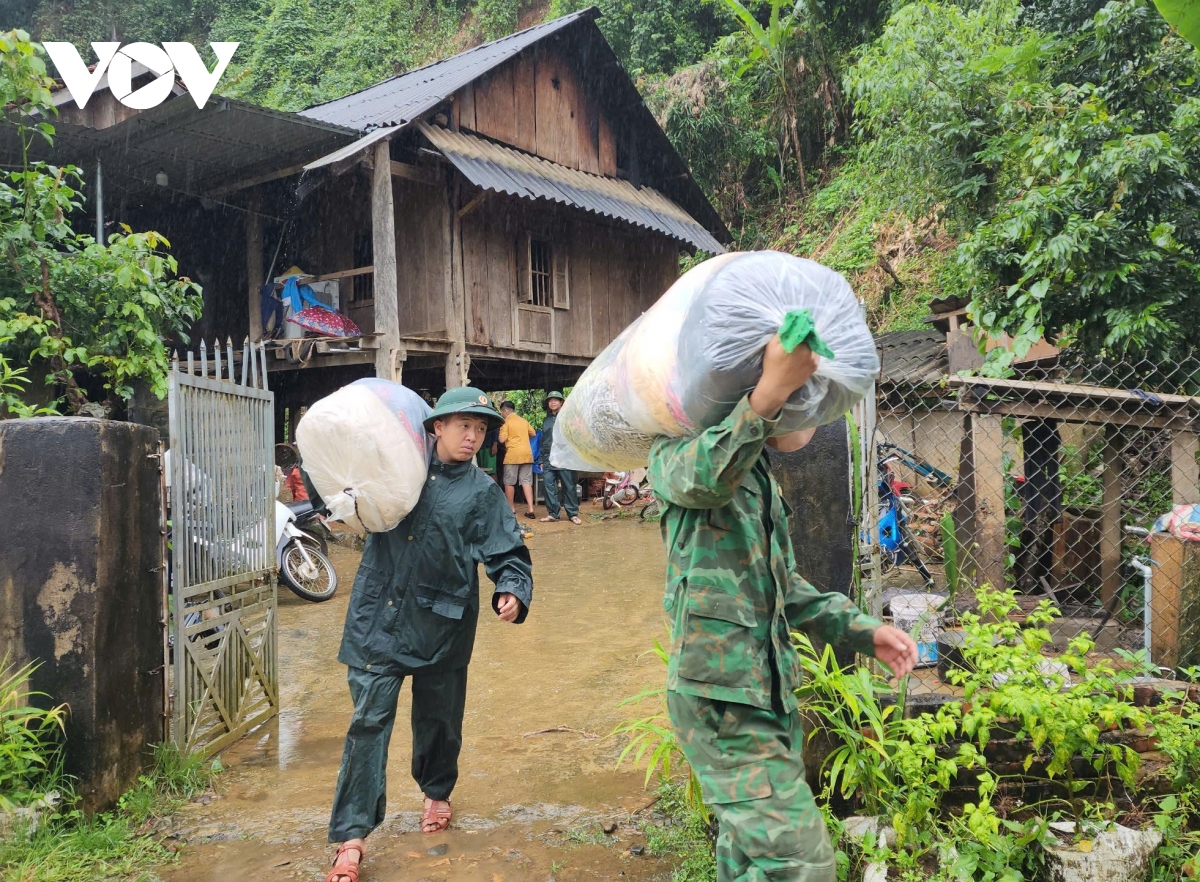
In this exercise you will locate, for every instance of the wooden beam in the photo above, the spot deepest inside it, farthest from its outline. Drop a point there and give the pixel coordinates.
(1067, 390)
(383, 229)
(473, 204)
(1110, 519)
(256, 180)
(332, 359)
(254, 265)
(1084, 414)
(1185, 472)
(422, 175)
(344, 274)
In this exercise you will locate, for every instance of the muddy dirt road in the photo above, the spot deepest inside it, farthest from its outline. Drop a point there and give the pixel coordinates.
(530, 804)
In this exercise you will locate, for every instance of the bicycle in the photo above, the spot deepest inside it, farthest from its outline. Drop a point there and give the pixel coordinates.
(897, 544)
(622, 489)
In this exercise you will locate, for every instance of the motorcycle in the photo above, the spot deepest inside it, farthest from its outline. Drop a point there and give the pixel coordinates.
(896, 540)
(302, 548)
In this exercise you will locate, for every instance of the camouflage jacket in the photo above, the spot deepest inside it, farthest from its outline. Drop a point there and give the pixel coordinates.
(732, 590)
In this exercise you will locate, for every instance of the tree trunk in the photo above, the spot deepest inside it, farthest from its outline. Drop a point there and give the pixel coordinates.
(76, 398)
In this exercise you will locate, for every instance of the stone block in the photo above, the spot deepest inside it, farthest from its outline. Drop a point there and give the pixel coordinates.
(1116, 855)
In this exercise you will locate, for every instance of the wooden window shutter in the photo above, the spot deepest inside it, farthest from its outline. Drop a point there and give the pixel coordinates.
(562, 279)
(524, 271)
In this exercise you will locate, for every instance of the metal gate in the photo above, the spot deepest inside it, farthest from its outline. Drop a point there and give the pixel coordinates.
(222, 538)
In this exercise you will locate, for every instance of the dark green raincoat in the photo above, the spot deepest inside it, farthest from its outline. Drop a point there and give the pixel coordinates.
(415, 602)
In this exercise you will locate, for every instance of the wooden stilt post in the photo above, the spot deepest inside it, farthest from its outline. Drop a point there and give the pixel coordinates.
(1185, 471)
(254, 264)
(979, 514)
(383, 227)
(1110, 518)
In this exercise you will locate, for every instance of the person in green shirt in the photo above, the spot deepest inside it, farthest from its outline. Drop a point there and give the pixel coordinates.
(413, 613)
(734, 598)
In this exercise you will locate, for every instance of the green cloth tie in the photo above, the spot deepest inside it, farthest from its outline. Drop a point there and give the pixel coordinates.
(798, 327)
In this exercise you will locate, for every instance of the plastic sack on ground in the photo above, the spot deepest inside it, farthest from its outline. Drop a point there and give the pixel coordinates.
(687, 361)
(366, 452)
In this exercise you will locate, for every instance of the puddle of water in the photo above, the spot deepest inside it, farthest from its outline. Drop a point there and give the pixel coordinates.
(540, 693)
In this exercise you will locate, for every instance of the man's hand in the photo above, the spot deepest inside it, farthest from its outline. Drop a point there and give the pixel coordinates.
(508, 607)
(896, 650)
(783, 373)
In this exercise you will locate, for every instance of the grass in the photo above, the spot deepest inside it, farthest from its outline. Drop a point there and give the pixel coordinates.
(682, 833)
(72, 847)
(587, 834)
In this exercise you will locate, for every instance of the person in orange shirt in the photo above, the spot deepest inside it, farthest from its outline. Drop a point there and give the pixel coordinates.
(515, 435)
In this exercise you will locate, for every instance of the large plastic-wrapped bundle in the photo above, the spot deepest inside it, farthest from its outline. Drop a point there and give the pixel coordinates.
(687, 361)
(366, 452)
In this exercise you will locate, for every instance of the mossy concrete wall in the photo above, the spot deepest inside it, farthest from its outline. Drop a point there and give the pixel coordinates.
(80, 586)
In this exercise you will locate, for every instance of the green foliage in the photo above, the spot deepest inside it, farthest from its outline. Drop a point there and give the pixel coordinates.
(682, 833)
(70, 846)
(651, 739)
(1070, 152)
(655, 36)
(29, 740)
(70, 307)
(528, 403)
(1184, 16)
(902, 769)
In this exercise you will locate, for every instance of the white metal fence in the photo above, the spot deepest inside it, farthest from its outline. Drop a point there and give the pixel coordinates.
(223, 609)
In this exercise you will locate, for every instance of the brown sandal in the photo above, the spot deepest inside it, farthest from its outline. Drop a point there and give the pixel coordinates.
(347, 870)
(437, 815)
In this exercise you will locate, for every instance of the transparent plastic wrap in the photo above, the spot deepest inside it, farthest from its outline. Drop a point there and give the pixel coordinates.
(687, 361)
(366, 452)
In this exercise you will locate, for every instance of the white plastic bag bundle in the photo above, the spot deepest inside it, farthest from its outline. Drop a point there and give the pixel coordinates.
(687, 361)
(366, 452)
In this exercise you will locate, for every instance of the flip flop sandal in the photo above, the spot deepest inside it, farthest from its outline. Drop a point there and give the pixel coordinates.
(437, 815)
(549, 520)
(346, 870)
(576, 521)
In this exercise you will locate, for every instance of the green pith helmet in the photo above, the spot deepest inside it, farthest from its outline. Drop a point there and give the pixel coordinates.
(465, 399)
(546, 400)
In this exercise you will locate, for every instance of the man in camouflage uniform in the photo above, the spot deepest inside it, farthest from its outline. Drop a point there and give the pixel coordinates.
(734, 598)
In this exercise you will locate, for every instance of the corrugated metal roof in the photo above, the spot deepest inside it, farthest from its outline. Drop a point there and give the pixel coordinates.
(912, 356)
(400, 100)
(506, 170)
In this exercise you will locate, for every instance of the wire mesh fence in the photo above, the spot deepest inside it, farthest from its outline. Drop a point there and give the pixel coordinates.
(1071, 481)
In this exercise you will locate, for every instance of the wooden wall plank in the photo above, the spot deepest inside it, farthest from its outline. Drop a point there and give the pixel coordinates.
(495, 105)
(545, 97)
(501, 272)
(524, 105)
(607, 148)
(464, 107)
(475, 278)
(422, 229)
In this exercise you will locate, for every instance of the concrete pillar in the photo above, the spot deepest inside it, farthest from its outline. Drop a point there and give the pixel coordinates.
(81, 587)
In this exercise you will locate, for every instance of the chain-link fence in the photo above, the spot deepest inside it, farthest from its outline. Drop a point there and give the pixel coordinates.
(1068, 482)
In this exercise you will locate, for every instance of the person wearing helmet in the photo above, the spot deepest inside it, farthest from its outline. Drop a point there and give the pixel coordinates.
(556, 478)
(413, 613)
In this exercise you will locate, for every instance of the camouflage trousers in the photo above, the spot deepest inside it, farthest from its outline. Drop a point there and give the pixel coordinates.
(752, 777)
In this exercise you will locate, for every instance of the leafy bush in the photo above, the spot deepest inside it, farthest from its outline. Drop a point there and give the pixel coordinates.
(29, 740)
(1060, 706)
(72, 308)
(1072, 171)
